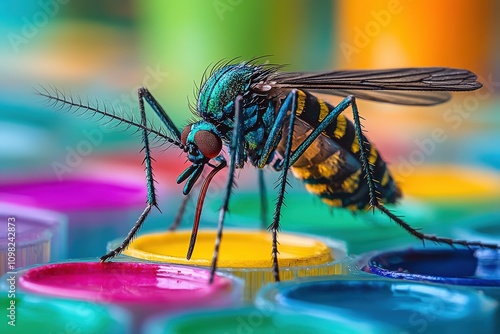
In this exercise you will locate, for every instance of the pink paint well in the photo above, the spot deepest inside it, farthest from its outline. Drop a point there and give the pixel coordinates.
(129, 283)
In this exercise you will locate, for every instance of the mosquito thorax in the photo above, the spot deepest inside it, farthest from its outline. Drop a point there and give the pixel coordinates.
(216, 97)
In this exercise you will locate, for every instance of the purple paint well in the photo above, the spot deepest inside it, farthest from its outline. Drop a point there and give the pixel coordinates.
(35, 236)
(29, 241)
(26, 231)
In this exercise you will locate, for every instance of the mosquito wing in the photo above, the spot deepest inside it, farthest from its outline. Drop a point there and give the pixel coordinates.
(407, 86)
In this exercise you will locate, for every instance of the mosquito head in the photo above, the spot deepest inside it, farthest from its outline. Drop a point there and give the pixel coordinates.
(202, 142)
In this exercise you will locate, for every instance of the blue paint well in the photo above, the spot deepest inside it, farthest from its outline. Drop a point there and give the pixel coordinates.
(412, 307)
(449, 266)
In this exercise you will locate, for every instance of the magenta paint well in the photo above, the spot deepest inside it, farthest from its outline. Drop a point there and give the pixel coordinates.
(75, 194)
(98, 209)
(143, 288)
(128, 282)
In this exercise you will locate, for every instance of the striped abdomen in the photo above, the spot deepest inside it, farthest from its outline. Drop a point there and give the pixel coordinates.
(331, 166)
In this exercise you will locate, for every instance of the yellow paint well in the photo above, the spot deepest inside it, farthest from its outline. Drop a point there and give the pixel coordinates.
(239, 249)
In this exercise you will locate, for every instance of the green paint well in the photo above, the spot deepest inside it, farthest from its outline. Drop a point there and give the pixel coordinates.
(46, 315)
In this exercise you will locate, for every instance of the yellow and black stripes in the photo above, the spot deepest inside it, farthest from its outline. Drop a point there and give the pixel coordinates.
(331, 167)
(313, 110)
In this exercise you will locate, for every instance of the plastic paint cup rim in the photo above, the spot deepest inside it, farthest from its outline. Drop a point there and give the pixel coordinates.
(41, 281)
(377, 265)
(318, 253)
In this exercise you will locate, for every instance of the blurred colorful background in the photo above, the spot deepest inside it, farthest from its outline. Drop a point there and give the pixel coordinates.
(70, 183)
(446, 158)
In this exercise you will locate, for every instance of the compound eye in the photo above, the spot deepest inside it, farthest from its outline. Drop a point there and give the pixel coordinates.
(208, 143)
(185, 133)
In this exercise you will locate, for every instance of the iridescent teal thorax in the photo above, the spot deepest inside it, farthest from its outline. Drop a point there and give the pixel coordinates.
(216, 106)
(216, 98)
